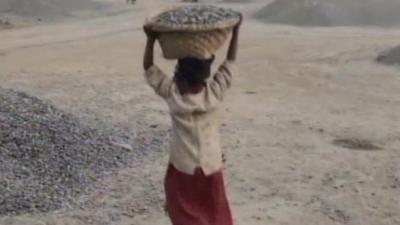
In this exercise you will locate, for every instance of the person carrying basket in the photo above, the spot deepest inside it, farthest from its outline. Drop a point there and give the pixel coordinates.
(194, 183)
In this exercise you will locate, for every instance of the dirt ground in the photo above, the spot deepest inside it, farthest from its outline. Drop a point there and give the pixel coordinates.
(311, 129)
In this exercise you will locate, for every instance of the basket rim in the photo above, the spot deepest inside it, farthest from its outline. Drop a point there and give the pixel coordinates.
(150, 22)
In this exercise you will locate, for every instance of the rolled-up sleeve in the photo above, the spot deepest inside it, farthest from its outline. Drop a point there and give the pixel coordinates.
(223, 79)
(159, 81)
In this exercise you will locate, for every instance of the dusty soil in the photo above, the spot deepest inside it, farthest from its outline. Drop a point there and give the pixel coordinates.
(23, 13)
(46, 9)
(301, 90)
(332, 13)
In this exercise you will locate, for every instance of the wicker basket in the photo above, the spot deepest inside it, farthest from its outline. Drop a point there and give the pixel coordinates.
(198, 41)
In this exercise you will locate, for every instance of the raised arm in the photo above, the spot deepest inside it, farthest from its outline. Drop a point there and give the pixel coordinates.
(223, 77)
(155, 77)
(233, 46)
(148, 59)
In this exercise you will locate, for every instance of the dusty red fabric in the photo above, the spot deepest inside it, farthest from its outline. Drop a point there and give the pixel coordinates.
(196, 199)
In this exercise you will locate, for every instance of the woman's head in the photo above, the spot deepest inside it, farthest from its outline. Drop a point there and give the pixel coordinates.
(191, 72)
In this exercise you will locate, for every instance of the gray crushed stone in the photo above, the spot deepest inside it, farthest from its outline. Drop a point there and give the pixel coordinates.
(196, 15)
(47, 9)
(390, 57)
(47, 157)
(382, 13)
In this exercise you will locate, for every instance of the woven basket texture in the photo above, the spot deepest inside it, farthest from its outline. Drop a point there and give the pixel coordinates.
(199, 45)
(200, 41)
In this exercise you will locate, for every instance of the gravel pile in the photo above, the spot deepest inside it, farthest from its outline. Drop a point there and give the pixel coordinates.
(47, 158)
(390, 57)
(46, 9)
(195, 15)
(383, 13)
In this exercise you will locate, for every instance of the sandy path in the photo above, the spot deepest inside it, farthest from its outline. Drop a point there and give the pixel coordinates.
(299, 90)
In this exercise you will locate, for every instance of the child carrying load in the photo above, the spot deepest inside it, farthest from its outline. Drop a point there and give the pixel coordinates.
(194, 184)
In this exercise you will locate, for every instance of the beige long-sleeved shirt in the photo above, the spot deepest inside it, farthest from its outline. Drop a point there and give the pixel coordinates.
(195, 119)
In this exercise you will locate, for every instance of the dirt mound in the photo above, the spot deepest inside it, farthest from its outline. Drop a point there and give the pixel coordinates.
(390, 57)
(46, 9)
(332, 12)
(47, 157)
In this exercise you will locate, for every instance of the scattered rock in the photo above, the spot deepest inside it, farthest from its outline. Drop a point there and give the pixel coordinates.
(356, 144)
(195, 15)
(257, 217)
(297, 122)
(47, 157)
(124, 146)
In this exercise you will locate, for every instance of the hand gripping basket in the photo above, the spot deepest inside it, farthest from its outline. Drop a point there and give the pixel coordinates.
(198, 40)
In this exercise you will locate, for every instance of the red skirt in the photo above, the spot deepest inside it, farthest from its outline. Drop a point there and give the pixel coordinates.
(196, 199)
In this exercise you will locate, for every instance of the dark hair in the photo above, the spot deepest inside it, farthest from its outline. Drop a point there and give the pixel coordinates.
(191, 71)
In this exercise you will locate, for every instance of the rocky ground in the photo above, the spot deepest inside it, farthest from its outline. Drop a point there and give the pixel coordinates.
(390, 56)
(332, 13)
(311, 127)
(47, 157)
